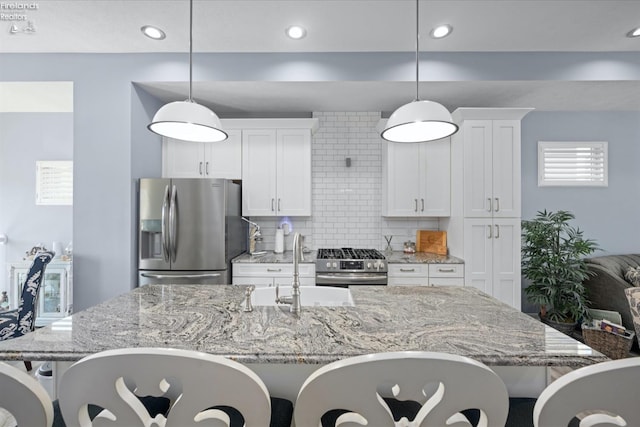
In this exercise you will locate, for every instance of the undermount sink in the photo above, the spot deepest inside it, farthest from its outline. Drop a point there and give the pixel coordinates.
(321, 296)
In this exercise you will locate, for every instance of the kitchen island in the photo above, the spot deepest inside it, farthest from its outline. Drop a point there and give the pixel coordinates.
(270, 340)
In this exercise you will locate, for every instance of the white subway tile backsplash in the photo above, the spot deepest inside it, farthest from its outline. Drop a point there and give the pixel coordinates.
(346, 201)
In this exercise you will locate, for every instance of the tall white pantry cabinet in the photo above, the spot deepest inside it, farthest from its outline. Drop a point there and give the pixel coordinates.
(484, 226)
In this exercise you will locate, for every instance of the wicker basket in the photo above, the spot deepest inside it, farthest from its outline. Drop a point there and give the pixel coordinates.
(611, 345)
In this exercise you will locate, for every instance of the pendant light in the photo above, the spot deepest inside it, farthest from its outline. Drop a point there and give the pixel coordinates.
(188, 120)
(419, 121)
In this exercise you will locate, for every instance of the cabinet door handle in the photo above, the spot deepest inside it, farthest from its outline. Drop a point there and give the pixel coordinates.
(200, 168)
(489, 200)
(279, 205)
(206, 168)
(422, 204)
(497, 204)
(274, 270)
(416, 202)
(407, 270)
(497, 231)
(490, 232)
(446, 270)
(272, 202)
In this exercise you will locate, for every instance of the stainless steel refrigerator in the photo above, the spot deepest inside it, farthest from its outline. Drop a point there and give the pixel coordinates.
(189, 230)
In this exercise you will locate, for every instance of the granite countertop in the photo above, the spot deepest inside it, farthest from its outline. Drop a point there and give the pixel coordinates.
(395, 257)
(450, 319)
(271, 257)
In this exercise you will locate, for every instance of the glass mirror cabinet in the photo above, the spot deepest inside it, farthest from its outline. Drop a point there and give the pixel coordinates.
(55, 299)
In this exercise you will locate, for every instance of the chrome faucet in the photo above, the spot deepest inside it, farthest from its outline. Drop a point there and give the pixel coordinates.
(294, 298)
(247, 298)
(254, 235)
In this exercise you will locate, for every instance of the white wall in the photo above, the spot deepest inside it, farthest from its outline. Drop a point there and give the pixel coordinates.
(610, 215)
(25, 138)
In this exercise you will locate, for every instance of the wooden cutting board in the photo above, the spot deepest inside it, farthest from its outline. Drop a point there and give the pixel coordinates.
(431, 241)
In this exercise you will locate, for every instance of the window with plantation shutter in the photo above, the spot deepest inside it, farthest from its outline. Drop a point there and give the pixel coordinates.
(572, 164)
(54, 182)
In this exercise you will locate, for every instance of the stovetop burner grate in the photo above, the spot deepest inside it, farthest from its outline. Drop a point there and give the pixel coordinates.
(349, 253)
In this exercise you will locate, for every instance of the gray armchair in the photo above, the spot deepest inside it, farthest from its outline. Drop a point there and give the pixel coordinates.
(605, 289)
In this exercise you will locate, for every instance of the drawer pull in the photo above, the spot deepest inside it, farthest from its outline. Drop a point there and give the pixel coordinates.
(447, 270)
(407, 270)
(274, 270)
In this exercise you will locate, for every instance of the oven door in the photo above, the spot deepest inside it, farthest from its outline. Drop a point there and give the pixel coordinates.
(351, 279)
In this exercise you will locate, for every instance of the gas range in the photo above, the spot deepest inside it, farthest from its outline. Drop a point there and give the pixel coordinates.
(348, 266)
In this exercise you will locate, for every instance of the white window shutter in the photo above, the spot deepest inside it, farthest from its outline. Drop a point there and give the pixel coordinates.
(572, 164)
(54, 182)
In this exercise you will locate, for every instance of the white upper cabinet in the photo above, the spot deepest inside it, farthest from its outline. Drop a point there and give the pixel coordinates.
(417, 179)
(183, 159)
(276, 172)
(294, 172)
(491, 168)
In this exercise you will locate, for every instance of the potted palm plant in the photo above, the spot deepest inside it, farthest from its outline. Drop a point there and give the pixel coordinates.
(553, 254)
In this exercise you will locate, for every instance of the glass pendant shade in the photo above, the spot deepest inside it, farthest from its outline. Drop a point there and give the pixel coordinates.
(419, 121)
(188, 121)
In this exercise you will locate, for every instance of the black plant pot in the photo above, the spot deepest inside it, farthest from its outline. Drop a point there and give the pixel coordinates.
(565, 328)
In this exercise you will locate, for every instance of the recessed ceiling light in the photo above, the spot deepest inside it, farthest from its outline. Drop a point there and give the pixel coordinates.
(634, 33)
(296, 32)
(153, 32)
(441, 31)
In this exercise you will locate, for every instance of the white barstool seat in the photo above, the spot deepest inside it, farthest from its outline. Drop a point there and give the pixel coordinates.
(24, 398)
(199, 387)
(402, 389)
(604, 395)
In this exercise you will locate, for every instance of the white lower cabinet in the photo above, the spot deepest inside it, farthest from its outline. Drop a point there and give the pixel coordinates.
(408, 275)
(492, 257)
(268, 275)
(446, 274)
(426, 275)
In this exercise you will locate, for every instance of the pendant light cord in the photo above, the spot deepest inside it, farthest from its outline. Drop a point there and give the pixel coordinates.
(190, 48)
(417, 48)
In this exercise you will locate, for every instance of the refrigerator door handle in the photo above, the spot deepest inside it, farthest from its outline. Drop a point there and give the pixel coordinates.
(163, 223)
(173, 225)
(180, 276)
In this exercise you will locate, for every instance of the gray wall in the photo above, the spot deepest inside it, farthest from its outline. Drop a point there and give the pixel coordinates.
(112, 146)
(25, 138)
(610, 214)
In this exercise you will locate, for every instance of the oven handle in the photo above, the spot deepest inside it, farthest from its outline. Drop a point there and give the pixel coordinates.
(342, 277)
